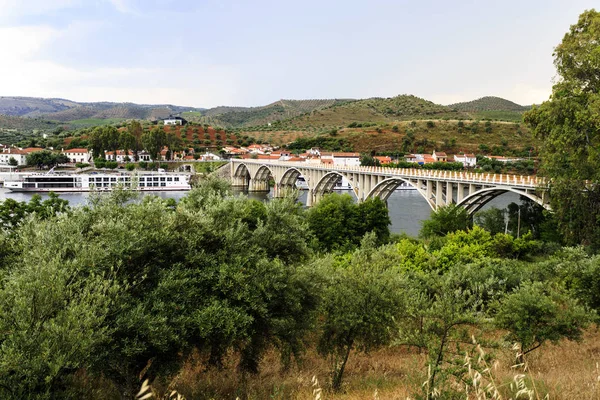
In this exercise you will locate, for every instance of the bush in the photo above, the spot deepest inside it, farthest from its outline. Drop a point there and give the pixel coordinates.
(151, 165)
(82, 165)
(164, 166)
(130, 167)
(143, 164)
(111, 164)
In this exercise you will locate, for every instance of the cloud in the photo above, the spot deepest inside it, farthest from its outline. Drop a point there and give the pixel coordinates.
(17, 8)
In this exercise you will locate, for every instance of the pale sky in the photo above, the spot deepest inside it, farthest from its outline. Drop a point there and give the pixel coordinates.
(207, 53)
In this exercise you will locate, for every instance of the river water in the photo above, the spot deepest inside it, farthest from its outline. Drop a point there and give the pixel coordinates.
(407, 208)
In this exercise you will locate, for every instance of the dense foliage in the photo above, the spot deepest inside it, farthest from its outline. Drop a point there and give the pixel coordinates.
(569, 126)
(128, 288)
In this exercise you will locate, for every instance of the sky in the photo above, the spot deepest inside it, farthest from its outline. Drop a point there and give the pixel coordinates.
(207, 53)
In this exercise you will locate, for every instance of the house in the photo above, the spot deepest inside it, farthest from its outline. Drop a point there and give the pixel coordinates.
(79, 155)
(207, 157)
(119, 156)
(383, 160)
(174, 121)
(144, 156)
(467, 160)
(19, 155)
(342, 158)
(410, 158)
(439, 156)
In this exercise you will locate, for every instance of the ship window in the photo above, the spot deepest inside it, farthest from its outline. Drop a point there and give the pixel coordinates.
(169, 179)
(155, 184)
(105, 179)
(163, 184)
(162, 179)
(155, 179)
(113, 179)
(142, 184)
(176, 179)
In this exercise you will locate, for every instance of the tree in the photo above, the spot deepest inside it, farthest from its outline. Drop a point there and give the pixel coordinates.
(13, 162)
(46, 158)
(369, 161)
(153, 142)
(135, 129)
(492, 220)
(361, 301)
(444, 220)
(569, 129)
(339, 223)
(536, 313)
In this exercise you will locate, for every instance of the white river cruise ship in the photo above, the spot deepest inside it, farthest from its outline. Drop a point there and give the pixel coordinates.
(145, 181)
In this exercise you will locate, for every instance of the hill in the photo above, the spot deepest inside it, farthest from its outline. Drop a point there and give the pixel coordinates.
(373, 111)
(491, 107)
(489, 103)
(233, 117)
(66, 110)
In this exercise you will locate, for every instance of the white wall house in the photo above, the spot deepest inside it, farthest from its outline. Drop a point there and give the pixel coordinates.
(174, 121)
(351, 159)
(78, 155)
(467, 160)
(11, 152)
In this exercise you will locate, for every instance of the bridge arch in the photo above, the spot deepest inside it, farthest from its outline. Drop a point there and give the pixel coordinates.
(328, 181)
(473, 202)
(241, 171)
(289, 177)
(385, 188)
(262, 173)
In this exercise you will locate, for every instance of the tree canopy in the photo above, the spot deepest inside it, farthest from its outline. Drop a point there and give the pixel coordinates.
(569, 127)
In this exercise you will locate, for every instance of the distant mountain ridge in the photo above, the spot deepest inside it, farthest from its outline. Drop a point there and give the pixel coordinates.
(66, 110)
(287, 114)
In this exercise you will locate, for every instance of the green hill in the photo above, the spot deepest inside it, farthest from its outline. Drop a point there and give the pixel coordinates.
(235, 117)
(489, 103)
(490, 107)
(373, 111)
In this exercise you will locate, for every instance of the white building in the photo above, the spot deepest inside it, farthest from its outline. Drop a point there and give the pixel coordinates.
(174, 121)
(350, 159)
(78, 155)
(467, 160)
(12, 152)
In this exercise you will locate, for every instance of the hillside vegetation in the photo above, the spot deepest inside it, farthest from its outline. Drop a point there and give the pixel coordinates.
(280, 110)
(67, 110)
(374, 111)
(491, 107)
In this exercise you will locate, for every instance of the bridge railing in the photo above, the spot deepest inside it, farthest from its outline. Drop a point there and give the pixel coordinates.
(457, 176)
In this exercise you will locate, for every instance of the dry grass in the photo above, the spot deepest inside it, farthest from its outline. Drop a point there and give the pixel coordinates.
(566, 371)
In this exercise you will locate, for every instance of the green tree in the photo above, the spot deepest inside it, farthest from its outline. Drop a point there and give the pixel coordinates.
(13, 162)
(46, 158)
(135, 129)
(569, 129)
(492, 220)
(444, 220)
(153, 142)
(536, 313)
(360, 303)
(339, 223)
(369, 161)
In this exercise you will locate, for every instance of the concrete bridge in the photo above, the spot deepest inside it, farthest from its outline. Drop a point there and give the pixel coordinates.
(439, 188)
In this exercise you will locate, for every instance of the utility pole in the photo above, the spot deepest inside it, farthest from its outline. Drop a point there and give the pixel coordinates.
(519, 223)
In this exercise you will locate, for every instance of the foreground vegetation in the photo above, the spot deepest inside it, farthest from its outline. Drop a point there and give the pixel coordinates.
(96, 299)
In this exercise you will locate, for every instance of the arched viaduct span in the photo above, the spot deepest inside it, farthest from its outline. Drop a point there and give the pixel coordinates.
(438, 188)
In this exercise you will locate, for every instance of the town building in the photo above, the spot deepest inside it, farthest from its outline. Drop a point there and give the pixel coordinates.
(467, 160)
(79, 155)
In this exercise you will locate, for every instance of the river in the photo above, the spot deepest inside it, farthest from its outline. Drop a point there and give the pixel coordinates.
(407, 208)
